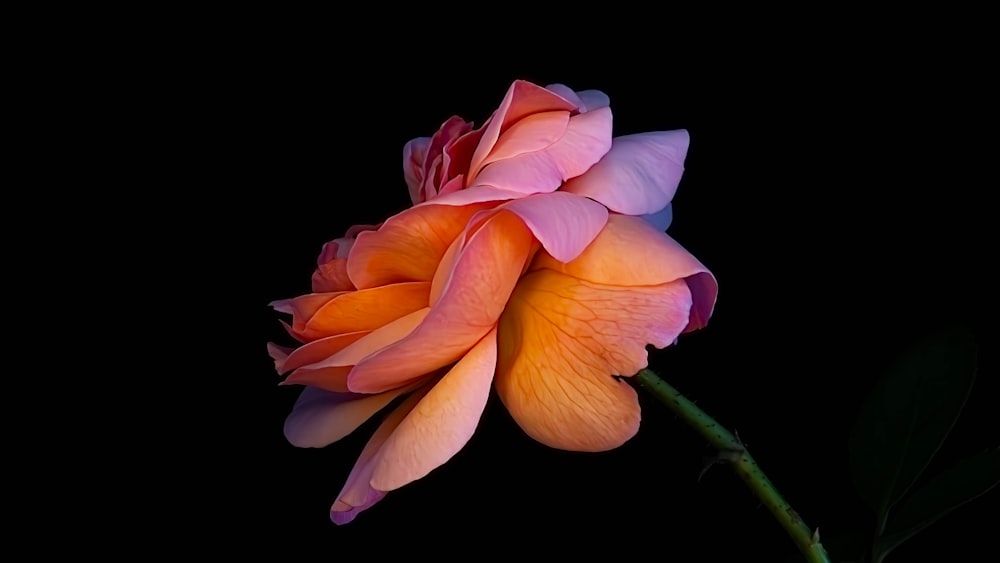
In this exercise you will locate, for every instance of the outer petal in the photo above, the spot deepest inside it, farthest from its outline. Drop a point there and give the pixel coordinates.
(477, 194)
(522, 99)
(630, 252)
(358, 494)
(662, 219)
(586, 100)
(561, 341)
(366, 309)
(320, 418)
(564, 223)
(468, 307)
(639, 175)
(586, 140)
(442, 423)
(408, 246)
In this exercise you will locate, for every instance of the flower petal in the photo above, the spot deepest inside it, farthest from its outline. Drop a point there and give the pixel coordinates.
(468, 307)
(358, 494)
(320, 418)
(408, 246)
(317, 350)
(414, 155)
(586, 139)
(563, 223)
(474, 195)
(639, 175)
(661, 219)
(366, 309)
(522, 99)
(373, 341)
(586, 100)
(562, 339)
(442, 422)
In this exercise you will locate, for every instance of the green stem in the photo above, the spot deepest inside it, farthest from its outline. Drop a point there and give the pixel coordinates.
(732, 450)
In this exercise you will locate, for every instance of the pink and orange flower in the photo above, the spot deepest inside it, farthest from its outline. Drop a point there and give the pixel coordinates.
(533, 261)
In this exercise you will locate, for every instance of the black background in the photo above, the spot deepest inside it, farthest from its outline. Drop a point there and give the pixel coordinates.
(833, 187)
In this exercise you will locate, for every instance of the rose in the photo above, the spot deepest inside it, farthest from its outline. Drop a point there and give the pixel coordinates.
(510, 269)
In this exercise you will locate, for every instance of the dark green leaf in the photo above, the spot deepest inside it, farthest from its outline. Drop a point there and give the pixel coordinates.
(907, 416)
(954, 487)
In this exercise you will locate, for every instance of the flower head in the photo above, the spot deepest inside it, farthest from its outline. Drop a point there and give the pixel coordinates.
(529, 263)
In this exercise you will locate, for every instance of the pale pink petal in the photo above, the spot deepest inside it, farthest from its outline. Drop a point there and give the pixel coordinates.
(358, 494)
(586, 140)
(279, 354)
(522, 99)
(586, 100)
(531, 134)
(563, 223)
(320, 418)
(442, 423)
(630, 252)
(468, 307)
(639, 175)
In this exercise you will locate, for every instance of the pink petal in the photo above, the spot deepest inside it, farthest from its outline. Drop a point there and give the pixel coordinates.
(586, 100)
(442, 423)
(563, 223)
(586, 140)
(318, 350)
(320, 418)
(639, 175)
(474, 195)
(469, 305)
(358, 494)
(522, 99)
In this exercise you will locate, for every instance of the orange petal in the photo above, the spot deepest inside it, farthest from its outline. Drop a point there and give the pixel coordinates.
(562, 340)
(469, 304)
(631, 252)
(408, 246)
(358, 494)
(374, 341)
(442, 423)
(366, 309)
(329, 379)
(317, 350)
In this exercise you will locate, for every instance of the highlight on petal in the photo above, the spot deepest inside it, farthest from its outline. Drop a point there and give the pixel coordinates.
(639, 175)
(358, 494)
(562, 339)
(586, 139)
(630, 252)
(408, 245)
(563, 223)
(467, 308)
(441, 423)
(320, 418)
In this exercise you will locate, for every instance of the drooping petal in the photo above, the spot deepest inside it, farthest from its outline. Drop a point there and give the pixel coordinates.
(442, 422)
(563, 223)
(358, 494)
(586, 139)
(472, 298)
(639, 175)
(562, 339)
(320, 418)
(408, 246)
(366, 309)
(522, 99)
(631, 252)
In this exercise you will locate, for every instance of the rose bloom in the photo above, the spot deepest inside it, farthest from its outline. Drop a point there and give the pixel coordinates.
(533, 261)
